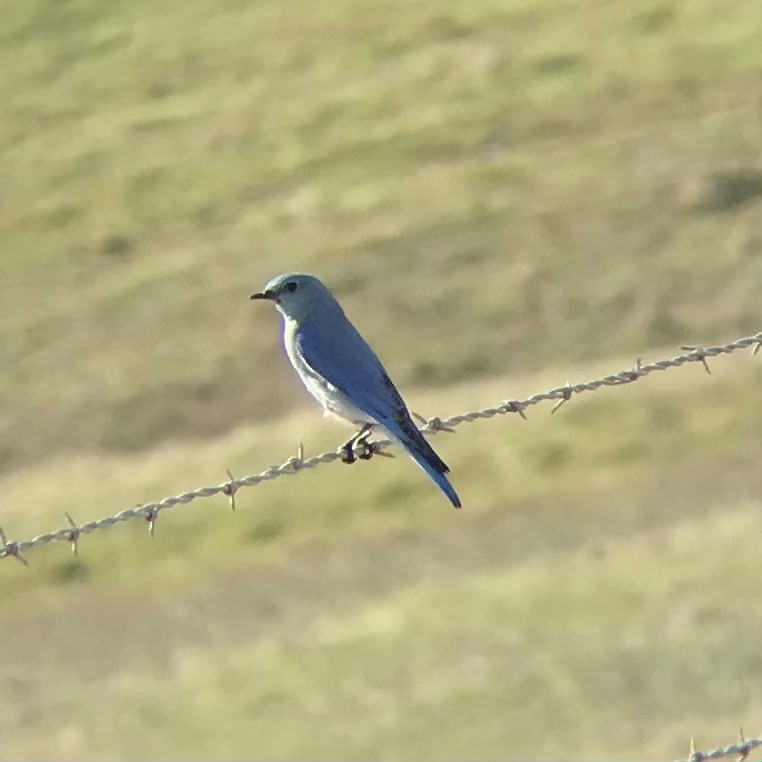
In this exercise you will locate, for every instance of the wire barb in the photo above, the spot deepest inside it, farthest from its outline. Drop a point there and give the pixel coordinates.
(742, 750)
(514, 406)
(418, 417)
(150, 514)
(633, 375)
(742, 742)
(431, 424)
(297, 461)
(699, 354)
(73, 537)
(436, 424)
(230, 489)
(11, 548)
(566, 393)
(292, 465)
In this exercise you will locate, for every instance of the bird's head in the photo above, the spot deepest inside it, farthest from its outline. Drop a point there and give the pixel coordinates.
(296, 295)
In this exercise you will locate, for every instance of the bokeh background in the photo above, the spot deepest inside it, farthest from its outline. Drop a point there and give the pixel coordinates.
(506, 195)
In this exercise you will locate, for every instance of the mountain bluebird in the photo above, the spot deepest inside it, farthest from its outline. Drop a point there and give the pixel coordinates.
(343, 373)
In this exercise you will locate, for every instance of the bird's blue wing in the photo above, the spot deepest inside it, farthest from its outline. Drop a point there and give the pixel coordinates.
(343, 358)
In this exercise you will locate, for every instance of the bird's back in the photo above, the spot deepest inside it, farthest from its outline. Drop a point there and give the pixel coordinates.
(331, 348)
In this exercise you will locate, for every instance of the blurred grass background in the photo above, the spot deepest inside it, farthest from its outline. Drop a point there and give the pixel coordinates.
(505, 195)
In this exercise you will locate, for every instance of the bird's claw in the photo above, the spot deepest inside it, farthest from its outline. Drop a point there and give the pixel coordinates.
(347, 453)
(358, 447)
(367, 451)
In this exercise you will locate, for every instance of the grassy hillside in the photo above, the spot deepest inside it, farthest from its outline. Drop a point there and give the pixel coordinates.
(505, 195)
(598, 587)
(497, 174)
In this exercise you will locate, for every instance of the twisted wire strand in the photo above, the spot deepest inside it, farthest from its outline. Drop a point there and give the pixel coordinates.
(740, 749)
(296, 464)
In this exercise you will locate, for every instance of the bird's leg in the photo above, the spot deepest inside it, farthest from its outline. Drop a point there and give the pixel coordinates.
(368, 449)
(348, 450)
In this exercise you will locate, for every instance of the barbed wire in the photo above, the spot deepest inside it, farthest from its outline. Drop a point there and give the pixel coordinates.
(740, 749)
(149, 512)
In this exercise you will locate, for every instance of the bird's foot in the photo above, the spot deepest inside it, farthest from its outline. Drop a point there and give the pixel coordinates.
(358, 446)
(348, 453)
(366, 449)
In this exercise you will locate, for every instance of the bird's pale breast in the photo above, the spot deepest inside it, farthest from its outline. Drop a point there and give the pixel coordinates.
(333, 400)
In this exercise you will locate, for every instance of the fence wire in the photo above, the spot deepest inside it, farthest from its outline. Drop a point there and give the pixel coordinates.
(149, 512)
(741, 750)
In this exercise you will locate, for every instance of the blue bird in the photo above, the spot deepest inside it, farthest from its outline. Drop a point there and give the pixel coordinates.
(343, 373)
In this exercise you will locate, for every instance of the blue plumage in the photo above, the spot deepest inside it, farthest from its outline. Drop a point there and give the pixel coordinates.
(342, 372)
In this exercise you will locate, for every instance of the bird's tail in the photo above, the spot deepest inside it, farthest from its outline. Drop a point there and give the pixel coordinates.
(424, 455)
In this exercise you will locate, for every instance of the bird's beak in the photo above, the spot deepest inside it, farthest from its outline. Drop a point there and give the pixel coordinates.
(263, 295)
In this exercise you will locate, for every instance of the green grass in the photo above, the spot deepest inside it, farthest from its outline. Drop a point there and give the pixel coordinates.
(505, 195)
(351, 613)
(483, 173)
(500, 660)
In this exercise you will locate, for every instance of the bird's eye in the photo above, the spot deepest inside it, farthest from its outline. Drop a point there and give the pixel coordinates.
(291, 286)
